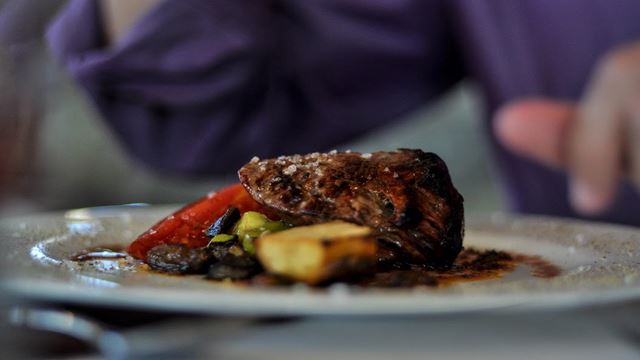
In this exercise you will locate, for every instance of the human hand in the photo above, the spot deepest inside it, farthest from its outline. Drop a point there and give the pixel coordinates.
(597, 140)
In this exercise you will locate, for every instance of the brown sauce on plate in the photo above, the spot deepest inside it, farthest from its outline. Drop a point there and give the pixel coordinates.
(471, 265)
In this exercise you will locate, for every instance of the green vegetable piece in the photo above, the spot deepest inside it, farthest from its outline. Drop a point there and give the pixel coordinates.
(220, 238)
(250, 221)
(275, 226)
(252, 225)
(248, 245)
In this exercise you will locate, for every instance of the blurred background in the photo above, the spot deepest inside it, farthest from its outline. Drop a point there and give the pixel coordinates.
(58, 153)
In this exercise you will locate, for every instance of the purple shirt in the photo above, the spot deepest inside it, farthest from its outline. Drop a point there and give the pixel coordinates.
(200, 86)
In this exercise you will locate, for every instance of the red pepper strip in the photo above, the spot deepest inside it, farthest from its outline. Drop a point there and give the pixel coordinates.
(187, 226)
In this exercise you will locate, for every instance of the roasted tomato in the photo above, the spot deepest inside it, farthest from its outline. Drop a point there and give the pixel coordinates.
(188, 225)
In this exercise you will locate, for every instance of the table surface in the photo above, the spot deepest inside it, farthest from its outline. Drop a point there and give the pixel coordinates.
(607, 332)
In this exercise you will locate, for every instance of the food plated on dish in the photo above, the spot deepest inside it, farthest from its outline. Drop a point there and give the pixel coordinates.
(374, 219)
(507, 262)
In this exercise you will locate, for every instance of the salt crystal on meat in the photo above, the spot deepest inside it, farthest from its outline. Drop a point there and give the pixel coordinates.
(290, 170)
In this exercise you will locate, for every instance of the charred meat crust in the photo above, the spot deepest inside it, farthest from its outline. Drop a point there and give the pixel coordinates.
(406, 195)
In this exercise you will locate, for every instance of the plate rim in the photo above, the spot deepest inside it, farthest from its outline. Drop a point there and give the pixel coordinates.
(31, 289)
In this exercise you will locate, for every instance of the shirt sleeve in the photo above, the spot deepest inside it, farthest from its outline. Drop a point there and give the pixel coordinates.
(201, 86)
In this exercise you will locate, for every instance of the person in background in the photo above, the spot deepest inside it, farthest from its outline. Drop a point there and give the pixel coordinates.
(201, 86)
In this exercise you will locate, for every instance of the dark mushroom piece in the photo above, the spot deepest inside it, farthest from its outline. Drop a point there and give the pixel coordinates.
(234, 267)
(179, 259)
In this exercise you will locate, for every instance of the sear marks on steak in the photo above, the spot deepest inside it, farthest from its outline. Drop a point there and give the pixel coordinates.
(406, 195)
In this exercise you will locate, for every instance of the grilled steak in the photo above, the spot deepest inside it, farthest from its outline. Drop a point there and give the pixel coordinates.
(406, 195)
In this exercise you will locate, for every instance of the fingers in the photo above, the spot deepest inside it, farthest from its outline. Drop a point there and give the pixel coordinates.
(585, 140)
(633, 142)
(605, 142)
(535, 128)
(606, 133)
(595, 144)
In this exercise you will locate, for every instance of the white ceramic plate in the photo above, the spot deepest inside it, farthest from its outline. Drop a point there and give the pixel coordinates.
(600, 264)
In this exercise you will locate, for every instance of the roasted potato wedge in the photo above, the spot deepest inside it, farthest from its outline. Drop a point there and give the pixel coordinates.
(316, 253)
